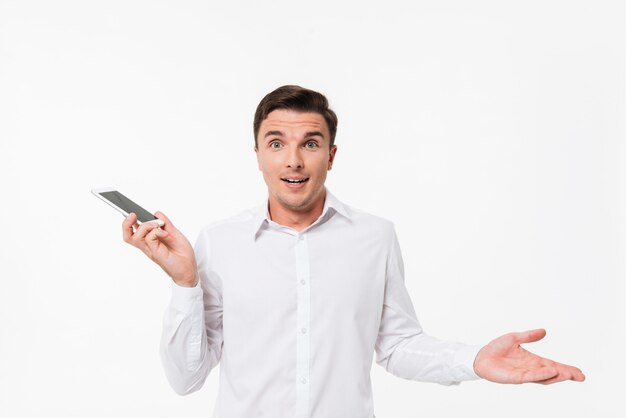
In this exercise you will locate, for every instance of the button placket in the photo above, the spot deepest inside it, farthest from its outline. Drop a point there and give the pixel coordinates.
(302, 330)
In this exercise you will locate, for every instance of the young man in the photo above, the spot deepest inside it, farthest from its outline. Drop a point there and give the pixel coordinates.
(295, 296)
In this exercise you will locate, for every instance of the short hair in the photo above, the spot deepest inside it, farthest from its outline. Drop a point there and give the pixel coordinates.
(296, 98)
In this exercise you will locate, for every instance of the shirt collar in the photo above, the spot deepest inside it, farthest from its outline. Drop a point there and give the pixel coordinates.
(332, 205)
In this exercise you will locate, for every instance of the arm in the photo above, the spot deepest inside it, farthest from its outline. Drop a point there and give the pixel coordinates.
(191, 341)
(402, 347)
(405, 351)
(192, 333)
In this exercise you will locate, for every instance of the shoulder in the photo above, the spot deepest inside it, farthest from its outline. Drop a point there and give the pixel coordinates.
(375, 224)
(240, 222)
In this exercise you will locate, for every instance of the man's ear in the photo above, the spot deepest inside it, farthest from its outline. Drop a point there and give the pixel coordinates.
(331, 156)
(258, 160)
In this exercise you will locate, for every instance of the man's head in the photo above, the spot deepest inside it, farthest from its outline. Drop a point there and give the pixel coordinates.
(298, 99)
(294, 143)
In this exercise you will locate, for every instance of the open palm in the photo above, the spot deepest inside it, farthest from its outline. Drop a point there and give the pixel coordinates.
(503, 360)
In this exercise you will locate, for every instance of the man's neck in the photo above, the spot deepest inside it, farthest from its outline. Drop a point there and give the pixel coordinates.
(297, 219)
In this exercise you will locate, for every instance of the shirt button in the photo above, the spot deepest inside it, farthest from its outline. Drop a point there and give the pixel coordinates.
(303, 330)
(303, 282)
(303, 380)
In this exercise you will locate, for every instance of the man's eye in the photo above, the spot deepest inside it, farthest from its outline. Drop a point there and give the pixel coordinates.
(311, 144)
(275, 145)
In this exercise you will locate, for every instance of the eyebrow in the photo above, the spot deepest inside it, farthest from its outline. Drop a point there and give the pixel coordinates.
(314, 133)
(307, 135)
(273, 133)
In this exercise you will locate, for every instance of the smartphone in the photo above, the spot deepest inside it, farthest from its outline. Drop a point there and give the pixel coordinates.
(124, 205)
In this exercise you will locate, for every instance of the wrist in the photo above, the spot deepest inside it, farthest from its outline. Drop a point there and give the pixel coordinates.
(191, 281)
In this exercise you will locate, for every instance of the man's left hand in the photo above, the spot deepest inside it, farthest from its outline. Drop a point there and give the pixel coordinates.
(503, 360)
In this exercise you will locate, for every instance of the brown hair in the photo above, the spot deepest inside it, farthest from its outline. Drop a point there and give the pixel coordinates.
(299, 99)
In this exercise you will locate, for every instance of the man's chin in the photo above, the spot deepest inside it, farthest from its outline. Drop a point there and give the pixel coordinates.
(299, 201)
(295, 204)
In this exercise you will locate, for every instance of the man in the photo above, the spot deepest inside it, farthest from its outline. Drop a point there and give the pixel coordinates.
(294, 297)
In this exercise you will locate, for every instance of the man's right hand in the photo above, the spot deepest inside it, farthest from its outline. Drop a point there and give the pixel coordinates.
(166, 246)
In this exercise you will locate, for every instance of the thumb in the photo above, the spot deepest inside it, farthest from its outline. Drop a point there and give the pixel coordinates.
(530, 336)
(168, 224)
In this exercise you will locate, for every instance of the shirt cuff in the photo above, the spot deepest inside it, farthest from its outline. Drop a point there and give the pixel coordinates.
(184, 298)
(465, 357)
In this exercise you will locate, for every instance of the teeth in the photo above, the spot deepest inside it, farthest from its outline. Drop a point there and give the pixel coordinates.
(295, 181)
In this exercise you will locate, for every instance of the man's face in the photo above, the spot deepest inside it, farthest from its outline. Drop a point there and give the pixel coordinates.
(294, 154)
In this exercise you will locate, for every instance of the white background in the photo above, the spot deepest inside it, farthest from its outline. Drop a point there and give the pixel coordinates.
(492, 133)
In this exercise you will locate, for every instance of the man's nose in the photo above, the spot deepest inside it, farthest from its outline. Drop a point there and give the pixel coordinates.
(294, 159)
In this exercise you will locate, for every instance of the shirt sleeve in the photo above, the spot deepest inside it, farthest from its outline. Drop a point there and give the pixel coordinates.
(192, 337)
(402, 347)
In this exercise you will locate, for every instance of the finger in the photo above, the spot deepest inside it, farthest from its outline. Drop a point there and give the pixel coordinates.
(127, 227)
(143, 230)
(168, 223)
(152, 239)
(569, 373)
(155, 244)
(529, 336)
(556, 379)
(578, 375)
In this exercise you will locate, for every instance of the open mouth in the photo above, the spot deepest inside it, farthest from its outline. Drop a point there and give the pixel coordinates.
(295, 181)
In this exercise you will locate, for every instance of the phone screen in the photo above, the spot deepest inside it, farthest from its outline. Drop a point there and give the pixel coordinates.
(127, 205)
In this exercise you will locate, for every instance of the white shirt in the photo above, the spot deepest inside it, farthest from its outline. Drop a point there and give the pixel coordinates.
(295, 318)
